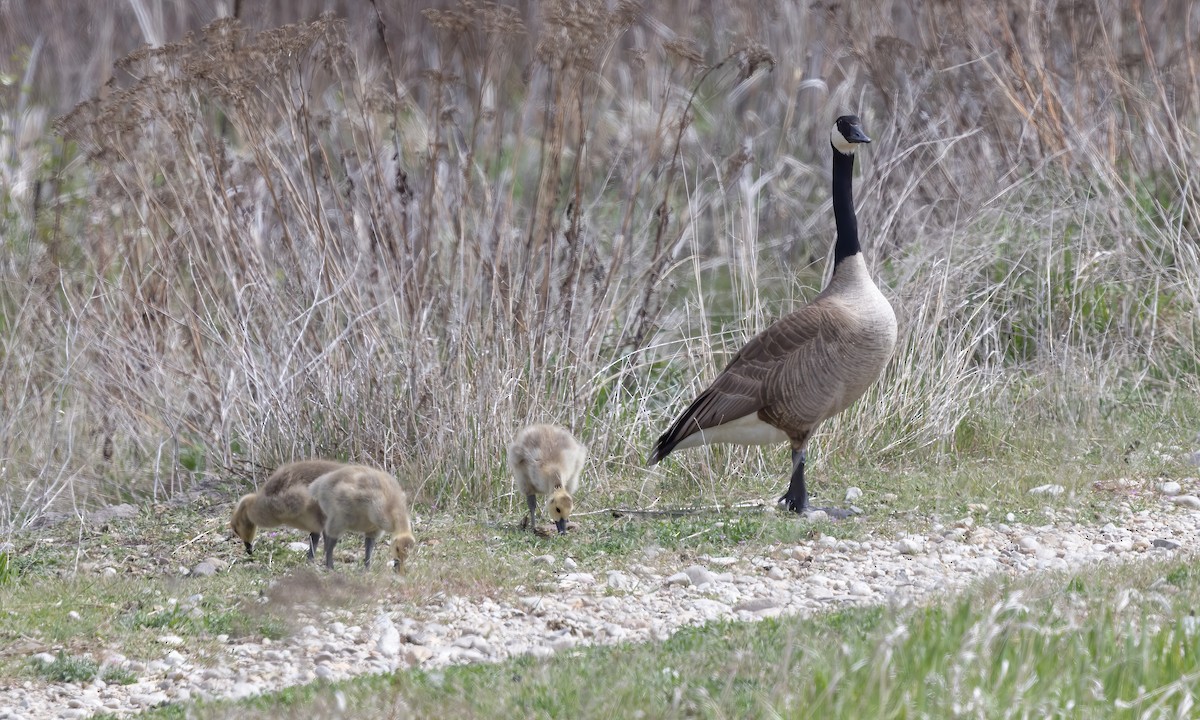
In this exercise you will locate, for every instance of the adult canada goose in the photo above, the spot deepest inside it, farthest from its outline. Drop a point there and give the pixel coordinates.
(810, 364)
(547, 460)
(283, 500)
(357, 498)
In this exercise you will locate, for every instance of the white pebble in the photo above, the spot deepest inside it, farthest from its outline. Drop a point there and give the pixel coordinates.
(1048, 489)
(1188, 501)
(1170, 487)
(543, 560)
(910, 546)
(853, 493)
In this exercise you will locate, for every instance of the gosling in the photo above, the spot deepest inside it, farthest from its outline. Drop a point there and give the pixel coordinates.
(547, 460)
(357, 498)
(284, 500)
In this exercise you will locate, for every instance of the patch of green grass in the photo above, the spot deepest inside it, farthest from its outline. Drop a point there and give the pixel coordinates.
(78, 669)
(1007, 649)
(8, 571)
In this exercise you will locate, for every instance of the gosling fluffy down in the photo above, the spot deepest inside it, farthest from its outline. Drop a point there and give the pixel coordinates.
(357, 498)
(547, 460)
(284, 500)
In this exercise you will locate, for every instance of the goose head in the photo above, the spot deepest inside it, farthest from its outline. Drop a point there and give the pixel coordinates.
(847, 134)
(561, 505)
(401, 546)
(242, 525)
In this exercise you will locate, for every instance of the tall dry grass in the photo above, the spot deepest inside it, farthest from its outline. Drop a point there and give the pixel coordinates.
(397, 234)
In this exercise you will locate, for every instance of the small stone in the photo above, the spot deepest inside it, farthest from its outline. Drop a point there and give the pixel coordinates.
(1165, 544)
(1048, 489)
(172, 640)
(722, 561)
(756, 605)
(700, 575)
(44, 658)
(1028, 544)
(324, 672)
(910, 546)
(73, 615)
(149, 700)
(110, 572)
(578, 578)
(853, 493)
(387, 636)
(299, 546)
(777, 574)
(204, 569)
(543, 560)
(1187, 501)
(175, 658)
(1170, 488)
(860, 588)
(679, 578)
(815, 515)
(570, 564)
(618, 580)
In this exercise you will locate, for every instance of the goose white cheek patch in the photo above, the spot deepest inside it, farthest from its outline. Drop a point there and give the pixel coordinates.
(840, 142)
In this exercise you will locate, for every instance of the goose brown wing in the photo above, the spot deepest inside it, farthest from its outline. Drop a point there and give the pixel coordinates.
(743, 386)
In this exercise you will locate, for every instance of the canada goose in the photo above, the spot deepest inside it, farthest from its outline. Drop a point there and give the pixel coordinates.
(810, 364)
(547, 460)
(357, 498)
(283, 500)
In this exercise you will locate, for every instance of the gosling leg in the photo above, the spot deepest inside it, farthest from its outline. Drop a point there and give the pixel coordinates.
(329, 543)
(531, 501)
(313, 540)
(369, 543)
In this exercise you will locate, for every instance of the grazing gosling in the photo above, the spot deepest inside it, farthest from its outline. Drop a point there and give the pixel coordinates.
(808, 366)
(284, 500)
(547, 460)
(357, 498)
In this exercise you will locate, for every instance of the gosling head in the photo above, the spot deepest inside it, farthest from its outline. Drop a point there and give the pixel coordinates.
(242, 525)
(847, 134)
(561, 505)
(401, 546)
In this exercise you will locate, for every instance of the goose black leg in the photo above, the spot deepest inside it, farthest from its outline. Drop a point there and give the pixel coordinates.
(313, 539)
(796, 497)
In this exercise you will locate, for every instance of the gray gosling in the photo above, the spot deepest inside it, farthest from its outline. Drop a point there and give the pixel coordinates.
(808, 366)
(547, 460)
(357, 498)
(284, 500)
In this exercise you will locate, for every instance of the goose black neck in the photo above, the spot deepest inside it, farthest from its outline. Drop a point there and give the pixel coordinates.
(843, 208)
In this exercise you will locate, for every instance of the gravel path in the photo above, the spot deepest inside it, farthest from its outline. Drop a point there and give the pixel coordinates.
(604, 605)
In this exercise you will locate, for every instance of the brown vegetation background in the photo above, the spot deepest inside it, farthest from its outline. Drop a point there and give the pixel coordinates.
(393, 232)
